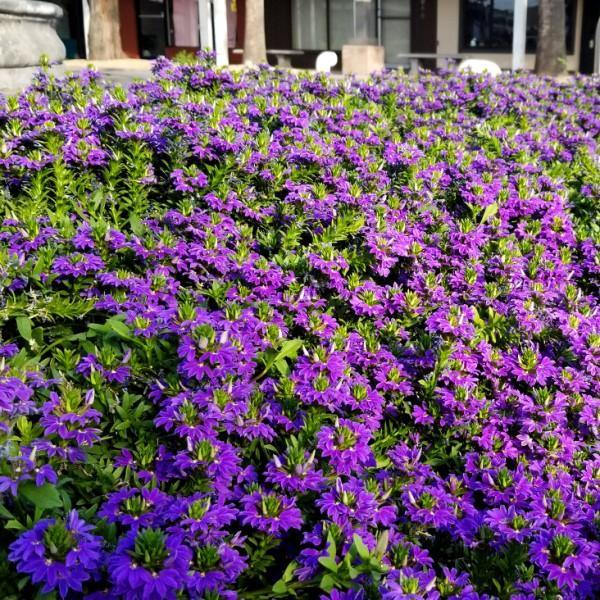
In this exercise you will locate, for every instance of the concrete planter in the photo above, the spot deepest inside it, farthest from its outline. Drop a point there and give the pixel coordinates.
(362, 59)
(28, 30)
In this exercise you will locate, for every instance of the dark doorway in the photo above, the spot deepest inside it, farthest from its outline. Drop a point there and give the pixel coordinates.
(152, 27)
(423, 28)
(278, 24)
(75, 14)
(591, 14)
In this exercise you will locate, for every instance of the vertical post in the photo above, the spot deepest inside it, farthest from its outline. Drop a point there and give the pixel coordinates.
(597, 49)
(519, 34)
(220, 28)
(85, 9)
(414, 67)
(205, 25)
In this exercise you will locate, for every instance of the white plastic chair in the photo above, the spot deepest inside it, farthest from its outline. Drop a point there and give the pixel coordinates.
(477, 65)
(325, 61)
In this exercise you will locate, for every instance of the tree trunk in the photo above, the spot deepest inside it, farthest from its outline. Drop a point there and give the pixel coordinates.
(105, 30)
(551, 55)
(254, 35)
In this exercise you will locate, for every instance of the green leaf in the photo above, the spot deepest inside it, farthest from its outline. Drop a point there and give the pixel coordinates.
(24, 327)
(66, 500)
(382, 543)
(331, 548)
(327, 583)
(136, 224)
(119, 327)
(280, 587)
(289, 349)
(14, 524)
(346, 224)
(352, 572)
(362, 550)
(328, 563)
(282, 367)
(489, 212)
(45, 496)
(288, 574)
(38, 336)
(40, 264)
(5, 513)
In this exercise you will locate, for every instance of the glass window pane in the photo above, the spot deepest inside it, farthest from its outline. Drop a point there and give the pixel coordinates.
(395, 8)
(151, 28)
(341, 23)
(488, 25)
(532, 24)
(364, 22)
(395, 34)
(309, 24)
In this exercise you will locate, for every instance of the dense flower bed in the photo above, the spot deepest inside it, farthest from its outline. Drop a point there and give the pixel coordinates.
(267, 335)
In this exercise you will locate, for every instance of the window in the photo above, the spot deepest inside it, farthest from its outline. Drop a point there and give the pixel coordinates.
(309, 24)
(184, 14)
(341, 23)
(395, 29)
(487, 25)
(329, 24)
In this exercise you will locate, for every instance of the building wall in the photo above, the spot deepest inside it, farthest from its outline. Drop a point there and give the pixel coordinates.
(448, 31)
(129, 33)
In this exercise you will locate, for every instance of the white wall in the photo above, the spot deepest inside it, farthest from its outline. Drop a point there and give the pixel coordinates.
(448, 28)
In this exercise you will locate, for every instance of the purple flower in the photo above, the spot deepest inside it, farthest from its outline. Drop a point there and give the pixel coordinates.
(295, 472)
(508, 523)
(135, 507)
(202, 517)
(531, 368)
(118, 373)
(58, 554)
(321, 380)
(213, 568)
(566, 559)
(69, 418)
(270, 512)
(428, 505)
(25, 467)
(215, 460)
(411, 584)
(77, 265)
(149, 565)
(8, 350)
(15, 397)
(366, 299)
(272, 313)
(346, 446)
(344, 595)
(348, 503)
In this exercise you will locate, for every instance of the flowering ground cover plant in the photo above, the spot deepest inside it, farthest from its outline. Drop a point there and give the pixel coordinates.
(269, 335)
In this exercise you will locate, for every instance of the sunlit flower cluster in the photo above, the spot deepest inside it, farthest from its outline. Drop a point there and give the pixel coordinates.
(268, 335)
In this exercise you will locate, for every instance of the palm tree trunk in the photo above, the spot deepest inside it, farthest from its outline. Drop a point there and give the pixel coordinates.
(105, 30)
(551, 55)
(254, 36)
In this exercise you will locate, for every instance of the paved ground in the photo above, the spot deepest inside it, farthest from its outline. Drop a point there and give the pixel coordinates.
(121, 71)
(117, 71)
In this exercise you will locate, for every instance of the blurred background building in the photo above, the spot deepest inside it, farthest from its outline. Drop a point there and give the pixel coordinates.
(480, 28)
